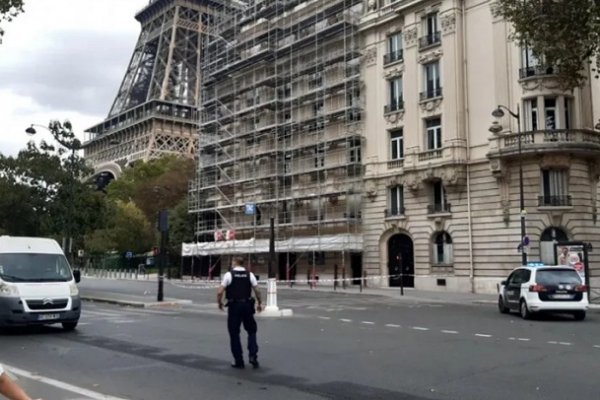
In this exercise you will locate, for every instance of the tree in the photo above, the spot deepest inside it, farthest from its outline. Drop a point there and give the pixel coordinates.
(8, 10)
(565, 34)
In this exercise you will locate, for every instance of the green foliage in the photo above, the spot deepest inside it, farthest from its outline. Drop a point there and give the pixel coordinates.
(181, 226)
(565, 33)
(126, 229)
(8, 10)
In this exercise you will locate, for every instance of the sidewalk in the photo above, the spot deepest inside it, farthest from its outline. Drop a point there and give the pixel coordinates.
(130, 300)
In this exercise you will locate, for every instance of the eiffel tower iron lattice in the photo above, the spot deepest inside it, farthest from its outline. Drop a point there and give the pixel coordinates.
(155, 111)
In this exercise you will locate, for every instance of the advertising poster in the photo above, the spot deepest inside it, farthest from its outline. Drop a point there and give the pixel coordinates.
(573, 257)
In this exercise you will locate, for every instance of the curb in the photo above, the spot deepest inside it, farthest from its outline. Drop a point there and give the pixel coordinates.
(137, 304)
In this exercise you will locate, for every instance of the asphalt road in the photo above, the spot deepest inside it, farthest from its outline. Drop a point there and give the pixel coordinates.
(336, 346)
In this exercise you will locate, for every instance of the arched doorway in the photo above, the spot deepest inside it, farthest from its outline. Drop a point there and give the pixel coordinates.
(401, 259)
(550, 236)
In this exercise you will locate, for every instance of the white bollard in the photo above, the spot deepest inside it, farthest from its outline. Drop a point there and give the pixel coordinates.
(272, 310)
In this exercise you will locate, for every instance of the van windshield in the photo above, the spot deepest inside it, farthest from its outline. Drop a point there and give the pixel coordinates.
(26, 267)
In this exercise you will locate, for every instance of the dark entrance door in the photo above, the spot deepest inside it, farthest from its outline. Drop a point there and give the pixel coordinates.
(401, 259)
(356, 266)
(287, 265)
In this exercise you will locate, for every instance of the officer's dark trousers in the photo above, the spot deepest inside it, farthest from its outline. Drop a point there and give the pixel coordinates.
(241, 313)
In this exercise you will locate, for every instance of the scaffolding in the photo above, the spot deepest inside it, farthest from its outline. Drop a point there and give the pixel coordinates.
(280, 126)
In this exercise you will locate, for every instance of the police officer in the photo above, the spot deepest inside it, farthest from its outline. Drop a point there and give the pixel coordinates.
(238, 285)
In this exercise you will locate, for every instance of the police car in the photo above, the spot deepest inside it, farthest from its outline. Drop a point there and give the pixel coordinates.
(536, 289)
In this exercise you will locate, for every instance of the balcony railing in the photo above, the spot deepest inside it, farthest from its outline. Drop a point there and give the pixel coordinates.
(392, 56)
(430, 154)
(584, 140)
(438, 208)
(555, 201)
(431, 93)
(393, 212)
(430, 40)
(395, 105)
(537, 70)
(395, 163)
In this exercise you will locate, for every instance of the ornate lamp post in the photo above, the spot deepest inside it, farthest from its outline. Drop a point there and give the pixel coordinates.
(499, 113)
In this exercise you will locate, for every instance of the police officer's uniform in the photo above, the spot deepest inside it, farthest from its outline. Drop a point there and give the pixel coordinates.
(238, 284)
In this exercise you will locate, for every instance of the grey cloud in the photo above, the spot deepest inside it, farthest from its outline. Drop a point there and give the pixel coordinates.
(80, 71)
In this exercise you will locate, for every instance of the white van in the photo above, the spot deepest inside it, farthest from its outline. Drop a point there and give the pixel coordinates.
(37, 286)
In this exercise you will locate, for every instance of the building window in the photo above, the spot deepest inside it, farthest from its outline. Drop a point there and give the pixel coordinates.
(319, 157)
(396, 201)
(354, 153)
(550, 113)
(318, 108)
(397, 145)
(394, 45)
(554, 190)
(439, 199)
(442, 248)
(432, 85)
(532, 65)
(531, 115)
(395, 95)
(433, 133)
(430, 28)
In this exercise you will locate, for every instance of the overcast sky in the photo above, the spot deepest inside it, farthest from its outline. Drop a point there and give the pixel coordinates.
(64, 60)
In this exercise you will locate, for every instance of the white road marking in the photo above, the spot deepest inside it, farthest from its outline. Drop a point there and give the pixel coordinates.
(523, 339)
(565, 343)
(512, 338)
(324, 317)
(450, 332)
(553, 342)
(61, 385)
(345, 320)
(482, 335)
(392, 326)
(420, 328)
(597, 346)
(367, 322)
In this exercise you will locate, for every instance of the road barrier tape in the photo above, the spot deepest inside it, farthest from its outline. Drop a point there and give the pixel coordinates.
(213, 284)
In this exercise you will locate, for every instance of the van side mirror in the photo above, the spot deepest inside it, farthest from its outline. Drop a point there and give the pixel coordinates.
(77, 275)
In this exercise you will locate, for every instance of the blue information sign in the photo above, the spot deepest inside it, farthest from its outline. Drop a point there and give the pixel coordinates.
(250, 209)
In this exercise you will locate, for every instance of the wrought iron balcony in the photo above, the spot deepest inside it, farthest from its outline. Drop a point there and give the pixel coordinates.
(393, 212)
(555, 201)
(431, 93)
(438, 208)
(392, 56)
(430, 40)
(395, 105)
(537, 70)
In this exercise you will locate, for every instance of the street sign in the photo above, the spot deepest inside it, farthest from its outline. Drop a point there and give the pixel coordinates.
(250, 208)
(129, 255)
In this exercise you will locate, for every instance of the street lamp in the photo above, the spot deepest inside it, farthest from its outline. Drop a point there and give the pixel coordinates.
(495, 128)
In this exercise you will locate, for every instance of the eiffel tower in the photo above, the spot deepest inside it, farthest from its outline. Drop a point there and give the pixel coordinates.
(155, 111)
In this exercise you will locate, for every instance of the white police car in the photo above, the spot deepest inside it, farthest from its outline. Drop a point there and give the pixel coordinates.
(531, 290)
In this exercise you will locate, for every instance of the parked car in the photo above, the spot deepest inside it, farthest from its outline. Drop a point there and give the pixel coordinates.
(530, 290)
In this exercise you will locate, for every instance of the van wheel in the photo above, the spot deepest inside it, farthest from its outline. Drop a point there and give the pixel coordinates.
(501, 306)
(69, 326)
(524, 311)
(579, 315)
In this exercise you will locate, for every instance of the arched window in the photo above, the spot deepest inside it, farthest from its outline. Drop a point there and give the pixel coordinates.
(442, 248)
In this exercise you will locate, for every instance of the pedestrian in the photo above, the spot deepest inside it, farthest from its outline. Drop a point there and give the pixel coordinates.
(9, 388)
(238, 285)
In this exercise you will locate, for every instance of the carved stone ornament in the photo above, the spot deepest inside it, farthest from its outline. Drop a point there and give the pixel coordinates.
(410, 37)
(430, 56)
(448, 23)
(394, 117)
(371, 56)
(454, 176)
(412, 181)
(497, 168)
(540, 83)
(372, 5)
(555, 161)
(431, 105)
(397, 70)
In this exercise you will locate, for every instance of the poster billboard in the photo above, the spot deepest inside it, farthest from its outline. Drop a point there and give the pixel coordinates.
(573, 256)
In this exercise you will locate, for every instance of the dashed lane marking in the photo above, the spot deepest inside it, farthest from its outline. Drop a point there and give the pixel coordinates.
(450, 332)
(345, 320)
(324, 317)
(392, 326)
(597, 346)
(420, 328)
(61, 385)
(367, 322)
(565, 343)
(483, 335)
(523, 339)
